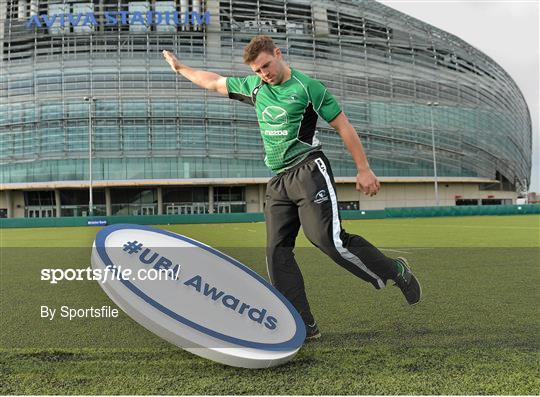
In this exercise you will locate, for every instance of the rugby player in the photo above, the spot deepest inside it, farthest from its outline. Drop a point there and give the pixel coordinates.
(288, 104)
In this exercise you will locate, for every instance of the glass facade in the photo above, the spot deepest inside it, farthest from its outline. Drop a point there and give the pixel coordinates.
(385, 68)
(134, 201)
(186, 200)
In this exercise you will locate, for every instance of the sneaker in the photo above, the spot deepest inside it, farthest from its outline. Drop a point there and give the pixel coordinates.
(407, 282)
(312, 332)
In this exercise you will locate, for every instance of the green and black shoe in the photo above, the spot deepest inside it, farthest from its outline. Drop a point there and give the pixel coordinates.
(407, 282)
(312, 332)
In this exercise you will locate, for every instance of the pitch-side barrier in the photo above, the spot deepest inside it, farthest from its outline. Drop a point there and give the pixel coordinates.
(409, 212)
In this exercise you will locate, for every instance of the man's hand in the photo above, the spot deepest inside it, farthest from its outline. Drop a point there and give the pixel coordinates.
(172, 60)
(367, 181)
(207, 80)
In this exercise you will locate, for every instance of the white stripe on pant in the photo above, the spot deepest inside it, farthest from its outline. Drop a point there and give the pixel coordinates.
(336, 228)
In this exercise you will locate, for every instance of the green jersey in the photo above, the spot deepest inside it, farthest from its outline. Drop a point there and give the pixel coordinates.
(287, 114)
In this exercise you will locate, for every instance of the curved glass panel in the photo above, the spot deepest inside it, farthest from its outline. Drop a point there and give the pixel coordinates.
(386, 70)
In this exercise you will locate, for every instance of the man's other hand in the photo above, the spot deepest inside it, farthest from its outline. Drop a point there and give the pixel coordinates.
(367, 182)
(172, 60)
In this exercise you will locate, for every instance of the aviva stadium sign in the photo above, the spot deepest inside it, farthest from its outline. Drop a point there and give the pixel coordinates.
(114, 18)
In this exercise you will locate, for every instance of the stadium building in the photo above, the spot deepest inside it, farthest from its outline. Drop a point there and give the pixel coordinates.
(84, 87)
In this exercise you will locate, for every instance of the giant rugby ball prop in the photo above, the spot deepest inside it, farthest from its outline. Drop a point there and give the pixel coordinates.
(196, 297)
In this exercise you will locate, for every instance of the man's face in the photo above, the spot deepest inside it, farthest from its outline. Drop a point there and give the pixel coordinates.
(269, 67)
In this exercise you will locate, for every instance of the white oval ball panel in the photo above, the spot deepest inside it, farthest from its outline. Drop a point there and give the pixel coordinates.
(216, 308)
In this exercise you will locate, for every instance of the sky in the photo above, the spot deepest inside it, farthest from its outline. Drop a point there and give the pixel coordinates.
(506, 31)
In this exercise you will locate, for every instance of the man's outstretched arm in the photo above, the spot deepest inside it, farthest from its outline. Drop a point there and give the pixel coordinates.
(207, 80)
(365, 179)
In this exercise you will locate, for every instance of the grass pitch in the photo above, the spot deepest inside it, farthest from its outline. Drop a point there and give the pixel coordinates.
(476, 332)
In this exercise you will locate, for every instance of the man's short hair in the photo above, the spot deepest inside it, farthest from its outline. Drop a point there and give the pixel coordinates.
(257, 45)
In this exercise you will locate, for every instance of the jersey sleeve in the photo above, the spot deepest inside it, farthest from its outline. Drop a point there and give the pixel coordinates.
(324, 102)
(241, 88)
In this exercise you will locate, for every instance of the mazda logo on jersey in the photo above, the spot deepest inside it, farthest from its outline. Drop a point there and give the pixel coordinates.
(275, 116)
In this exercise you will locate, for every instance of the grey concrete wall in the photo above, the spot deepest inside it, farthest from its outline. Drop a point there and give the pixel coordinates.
(13, 201)
(252, 198)
(408, 195)
(418, 195)
(391, 195)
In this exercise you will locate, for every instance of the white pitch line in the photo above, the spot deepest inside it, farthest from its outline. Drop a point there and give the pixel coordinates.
(472, 226)
(401, 252)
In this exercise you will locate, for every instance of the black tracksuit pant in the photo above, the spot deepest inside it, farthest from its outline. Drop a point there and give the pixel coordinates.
(305, 195)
